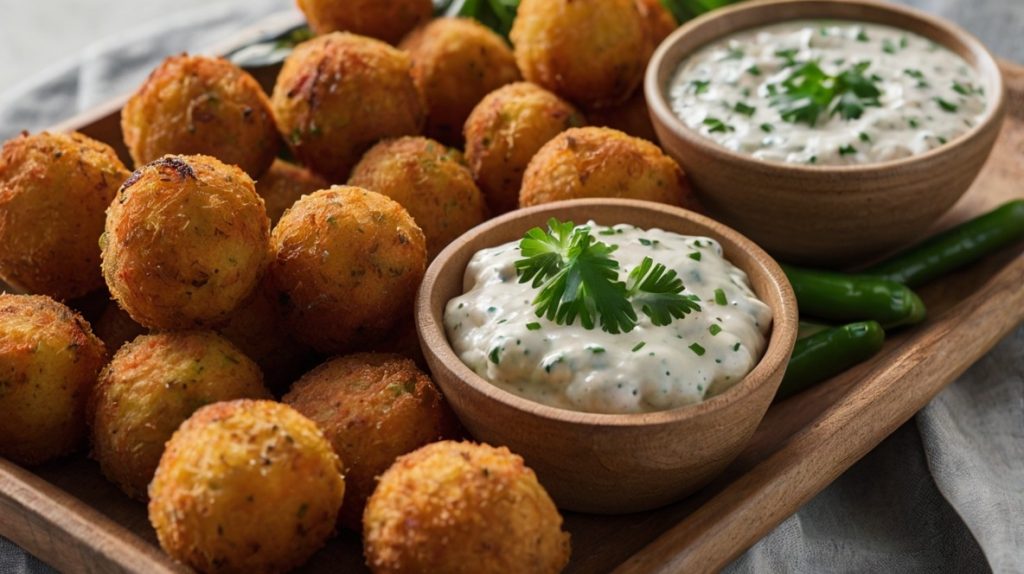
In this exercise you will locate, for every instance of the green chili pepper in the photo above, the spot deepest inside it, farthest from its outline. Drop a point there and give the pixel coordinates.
(828, 353)
(842, 297)
(955, 248)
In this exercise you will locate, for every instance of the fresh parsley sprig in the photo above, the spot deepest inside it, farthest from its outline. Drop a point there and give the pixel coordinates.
(578, 278)
(808, 92)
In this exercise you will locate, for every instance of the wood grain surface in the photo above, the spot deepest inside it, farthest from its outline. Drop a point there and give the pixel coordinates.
(69, 516)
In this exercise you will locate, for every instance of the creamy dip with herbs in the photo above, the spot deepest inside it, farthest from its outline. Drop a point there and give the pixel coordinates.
(827, 93)
(495, 330)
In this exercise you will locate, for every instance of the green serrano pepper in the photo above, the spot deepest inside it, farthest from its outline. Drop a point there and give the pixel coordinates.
(828, 353)
(842, 297)
(954, 248)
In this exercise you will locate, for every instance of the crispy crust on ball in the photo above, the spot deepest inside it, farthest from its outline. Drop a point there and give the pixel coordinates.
(186, 242)
(373, 408)
(601, 162)
(463, 507)
(430, 181)
(505, 131)
(49, 361)
(592, 52)
(347, 263)
(283, 184)
(151, 386)
(387, 20)
(339, 94)
(201, 105)
(455, 63)
(54, 190)
(246, 486)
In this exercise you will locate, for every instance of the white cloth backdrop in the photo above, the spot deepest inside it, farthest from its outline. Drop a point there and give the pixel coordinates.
(945, 493)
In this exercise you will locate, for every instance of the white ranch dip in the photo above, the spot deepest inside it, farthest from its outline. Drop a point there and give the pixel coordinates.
(495, 331)
(729, 92)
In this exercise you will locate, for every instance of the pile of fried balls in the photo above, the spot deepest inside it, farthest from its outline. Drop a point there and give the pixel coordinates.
(249, 366)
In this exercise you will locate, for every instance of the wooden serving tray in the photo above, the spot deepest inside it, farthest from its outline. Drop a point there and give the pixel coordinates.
(67, 514)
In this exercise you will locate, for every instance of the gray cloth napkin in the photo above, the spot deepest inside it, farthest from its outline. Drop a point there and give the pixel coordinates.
(945, 493)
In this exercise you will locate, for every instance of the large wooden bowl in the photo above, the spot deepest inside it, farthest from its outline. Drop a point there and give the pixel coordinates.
(598, 462)
(827, 215)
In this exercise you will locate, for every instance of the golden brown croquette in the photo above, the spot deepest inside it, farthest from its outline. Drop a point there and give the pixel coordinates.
(339, 94)
(430, 181)
(49, 361)
(186, 241)
(54, 191)
(201, 105)
(373, 408)
(455, 63)
(283, 184)
(258, 331)
(601, 162)
(505, 131)
(591, 52)
(463, 508)
(347, 263)
(246, 486)
(154, 384)
(387, 20)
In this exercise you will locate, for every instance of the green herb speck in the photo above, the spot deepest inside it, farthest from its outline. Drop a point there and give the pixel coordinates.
(695, 256)
(639, 346)
(697, 349)
(720, 297)
(533, 326)
(714, 329)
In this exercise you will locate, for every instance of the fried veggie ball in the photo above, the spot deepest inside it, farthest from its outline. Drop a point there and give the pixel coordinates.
(592, 52)
(631, 118)
(339, 94)
(505, 130)
(373, 408)
(201, 105)
(347, 263)
(455, 63)
(115, 327)
(246, 486)
(283, 184)
(658, 21)
(463, 507)
(601, 162)
(430, 181)
(387, 20)
(186, 242)
(49, 361)
(54, 190)
(256, 329)
(154, 384)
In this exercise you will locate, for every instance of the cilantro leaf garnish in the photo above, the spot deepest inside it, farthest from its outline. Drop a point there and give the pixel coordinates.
(578, 279)
(809, 92)
(657, 291)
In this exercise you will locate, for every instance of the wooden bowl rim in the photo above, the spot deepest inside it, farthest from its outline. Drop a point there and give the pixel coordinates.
(661, 111)
(429, 321)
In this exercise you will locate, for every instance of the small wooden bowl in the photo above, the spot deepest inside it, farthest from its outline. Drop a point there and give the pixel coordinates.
(827, 215)
(599, 462)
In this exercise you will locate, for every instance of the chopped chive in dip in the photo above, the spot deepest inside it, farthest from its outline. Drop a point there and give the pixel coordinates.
(595, 349)
(716, 125)
(720, 297)
(533, 326)
(847, 150)
(639, 346)
(862, 36)
(495, 355)
(864, 137)
(697, 349)
(888, 46)
(913, 122)
(946, 106)
(700, 86)
(695, 256)
(754, 70)
(714, 329)
(767, 128)
(736, 347)
(745, 109)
